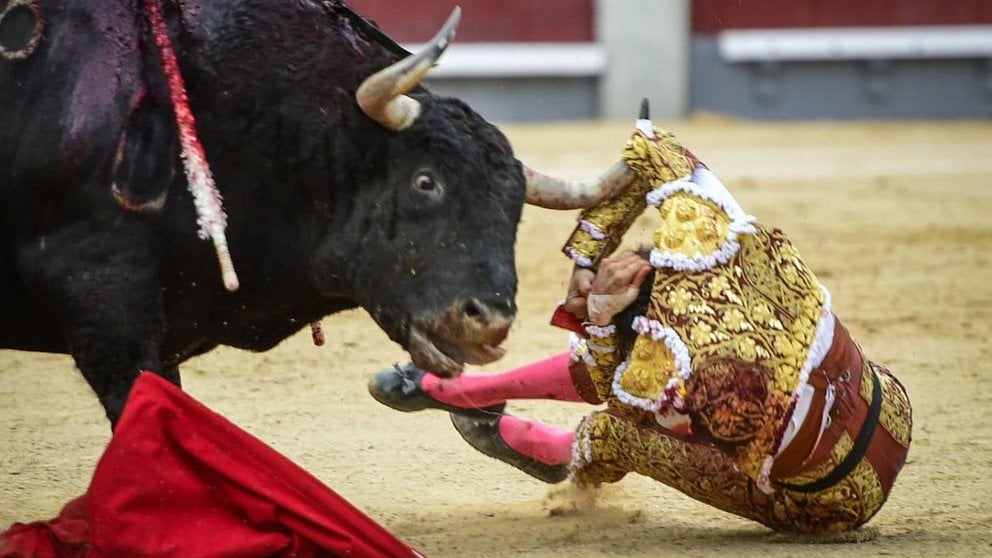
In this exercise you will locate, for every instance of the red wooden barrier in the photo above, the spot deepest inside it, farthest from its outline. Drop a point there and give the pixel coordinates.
(712, 16)
(484, 20)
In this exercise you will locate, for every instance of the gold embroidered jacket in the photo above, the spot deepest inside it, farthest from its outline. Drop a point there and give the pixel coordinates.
(736, 320)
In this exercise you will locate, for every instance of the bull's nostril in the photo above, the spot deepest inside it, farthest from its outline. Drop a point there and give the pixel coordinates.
(474, 310)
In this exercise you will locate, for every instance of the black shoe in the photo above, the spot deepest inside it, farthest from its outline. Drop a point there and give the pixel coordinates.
(399, 387)
(483, 435)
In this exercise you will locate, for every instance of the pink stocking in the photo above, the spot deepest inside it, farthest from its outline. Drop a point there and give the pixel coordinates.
(548, 444)
(545, 379)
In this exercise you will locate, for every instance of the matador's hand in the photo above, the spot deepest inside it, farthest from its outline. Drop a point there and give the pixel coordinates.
(578, 290)
(616, 285)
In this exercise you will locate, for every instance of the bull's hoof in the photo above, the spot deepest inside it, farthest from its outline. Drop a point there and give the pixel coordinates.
(399, 388)
(483, 435)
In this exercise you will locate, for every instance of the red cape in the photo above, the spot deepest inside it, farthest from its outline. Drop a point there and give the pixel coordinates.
(179, 480)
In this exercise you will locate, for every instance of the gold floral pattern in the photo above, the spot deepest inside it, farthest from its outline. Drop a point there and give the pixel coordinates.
(754, 336)
(659, 159)
(897, 415)
(691, 225)
(724, 343)
(741, 311)
(616, 446)
(651, 363)
(612, 219)
(654, 160)
(760, 309)
(602, 364)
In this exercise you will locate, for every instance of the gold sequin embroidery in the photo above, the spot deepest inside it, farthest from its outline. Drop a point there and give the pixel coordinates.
(743, 312)
(897, 415)
(651, 363)
(617, 446)
(691, 225)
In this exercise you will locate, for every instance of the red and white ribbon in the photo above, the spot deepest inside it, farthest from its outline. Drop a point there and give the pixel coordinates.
(210, 214)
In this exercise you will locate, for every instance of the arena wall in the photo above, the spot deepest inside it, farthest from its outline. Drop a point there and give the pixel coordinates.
(519, 60)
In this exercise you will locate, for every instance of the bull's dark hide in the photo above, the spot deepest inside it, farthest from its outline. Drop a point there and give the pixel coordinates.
(327, 210)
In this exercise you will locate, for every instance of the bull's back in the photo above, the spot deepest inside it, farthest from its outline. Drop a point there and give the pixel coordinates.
(61, 106)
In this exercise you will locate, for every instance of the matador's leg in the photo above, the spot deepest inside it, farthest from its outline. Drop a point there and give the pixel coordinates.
(609, 446)
(409, 389)
(538, 449)
(543, 379)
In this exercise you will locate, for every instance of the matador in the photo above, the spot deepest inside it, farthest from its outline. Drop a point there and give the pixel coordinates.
(724, 371)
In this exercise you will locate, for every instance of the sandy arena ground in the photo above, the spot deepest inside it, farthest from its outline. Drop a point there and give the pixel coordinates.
(894, 219)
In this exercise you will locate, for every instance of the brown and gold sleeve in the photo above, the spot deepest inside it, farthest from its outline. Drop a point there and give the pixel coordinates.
(654, 160)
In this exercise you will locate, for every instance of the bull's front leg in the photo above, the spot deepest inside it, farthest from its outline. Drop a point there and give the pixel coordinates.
(100, 285)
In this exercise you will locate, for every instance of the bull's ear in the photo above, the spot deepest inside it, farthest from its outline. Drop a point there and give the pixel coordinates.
(146, 160)
(382, 96)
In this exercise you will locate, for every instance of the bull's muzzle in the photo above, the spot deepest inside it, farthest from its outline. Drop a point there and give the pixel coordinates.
(469, 331)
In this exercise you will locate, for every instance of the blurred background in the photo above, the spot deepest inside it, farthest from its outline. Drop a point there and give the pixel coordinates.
(522, 60)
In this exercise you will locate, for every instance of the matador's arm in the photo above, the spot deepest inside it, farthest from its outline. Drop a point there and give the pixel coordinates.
(656, 158)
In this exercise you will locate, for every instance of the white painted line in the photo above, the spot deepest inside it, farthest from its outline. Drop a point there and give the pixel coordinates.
(856, 43)
(519, 60)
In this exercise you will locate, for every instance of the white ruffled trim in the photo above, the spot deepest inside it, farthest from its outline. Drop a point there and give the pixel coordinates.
(823, 339)
(576, 346)
(659, 332)
(683, 365)
(601, 349)
(592, 229)
(601, 331)
(580, 350)
(624, 397)
(588, 359)
(661, 193)
(702, 184)
(764, 480)
(645, 127)
(581, 446)
(578, 258)
(698, 262)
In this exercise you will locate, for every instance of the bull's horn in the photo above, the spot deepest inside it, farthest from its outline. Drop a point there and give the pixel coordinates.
(382, 95)
(555, 193)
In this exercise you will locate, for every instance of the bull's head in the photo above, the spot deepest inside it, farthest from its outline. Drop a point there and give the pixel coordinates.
(430, 253)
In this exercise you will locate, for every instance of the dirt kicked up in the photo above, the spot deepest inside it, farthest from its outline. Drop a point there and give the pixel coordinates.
(893, 217)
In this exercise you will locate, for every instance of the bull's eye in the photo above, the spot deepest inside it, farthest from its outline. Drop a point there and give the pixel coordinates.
(427, 188)
(425, 182)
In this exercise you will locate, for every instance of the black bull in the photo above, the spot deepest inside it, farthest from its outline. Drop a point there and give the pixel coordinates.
(404, 205)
